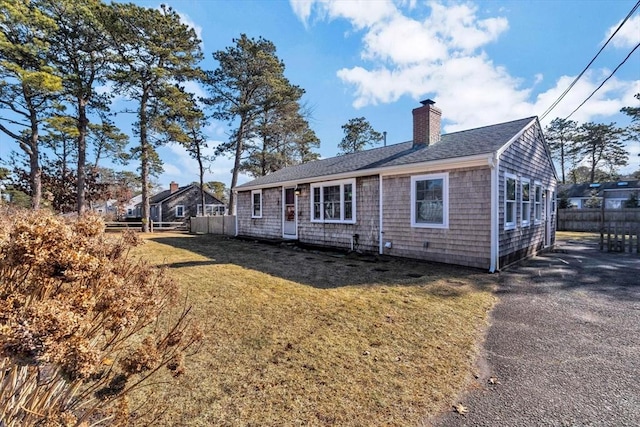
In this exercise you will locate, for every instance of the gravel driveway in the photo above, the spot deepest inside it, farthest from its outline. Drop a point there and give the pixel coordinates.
(563, 347)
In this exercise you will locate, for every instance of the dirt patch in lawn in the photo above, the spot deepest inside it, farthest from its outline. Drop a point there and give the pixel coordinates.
(310, 338)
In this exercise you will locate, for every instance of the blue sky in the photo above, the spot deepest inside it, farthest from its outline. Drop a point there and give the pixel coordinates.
(483, 62)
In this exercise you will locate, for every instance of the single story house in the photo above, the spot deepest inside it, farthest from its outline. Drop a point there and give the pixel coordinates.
(179, 203)
(585, 195)
(482, 197)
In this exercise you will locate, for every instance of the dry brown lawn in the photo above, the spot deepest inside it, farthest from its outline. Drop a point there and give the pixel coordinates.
(306, 338)
(578, 237)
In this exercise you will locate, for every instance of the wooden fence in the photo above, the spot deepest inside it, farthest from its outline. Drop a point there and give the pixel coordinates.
(621, 239)
(219, 224)
(595, 219)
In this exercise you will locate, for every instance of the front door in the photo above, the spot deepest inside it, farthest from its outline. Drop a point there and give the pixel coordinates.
(289, 214)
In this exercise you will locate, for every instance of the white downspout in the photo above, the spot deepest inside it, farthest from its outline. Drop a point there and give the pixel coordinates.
(381, 232)
(494, 163)
(235, 209)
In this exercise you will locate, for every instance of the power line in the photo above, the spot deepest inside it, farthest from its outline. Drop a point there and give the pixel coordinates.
(604, 81)
(557, 101)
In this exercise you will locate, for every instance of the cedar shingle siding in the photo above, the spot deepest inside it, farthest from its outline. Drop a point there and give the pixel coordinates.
(526, 158)
(270, 225)
(465, 242)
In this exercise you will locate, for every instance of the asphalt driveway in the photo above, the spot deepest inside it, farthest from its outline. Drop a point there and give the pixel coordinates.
(563, 348)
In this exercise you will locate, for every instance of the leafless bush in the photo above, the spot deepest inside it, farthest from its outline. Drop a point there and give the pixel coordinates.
(82, 325)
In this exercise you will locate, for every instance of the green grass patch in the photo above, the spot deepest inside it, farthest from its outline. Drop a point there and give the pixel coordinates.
(306, 338)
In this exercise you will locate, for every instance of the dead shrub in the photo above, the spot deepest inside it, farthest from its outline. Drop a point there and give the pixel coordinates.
(81, 324)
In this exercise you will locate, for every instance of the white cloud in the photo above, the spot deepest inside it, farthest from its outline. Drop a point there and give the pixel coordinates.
(629, 34)
(195, 88)
(302, 9)
(403, 41)
(361, 13)
(443, 55)
(606, 103)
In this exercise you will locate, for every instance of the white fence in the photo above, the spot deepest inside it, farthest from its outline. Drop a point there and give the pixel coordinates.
(219, 224)
(154, 226)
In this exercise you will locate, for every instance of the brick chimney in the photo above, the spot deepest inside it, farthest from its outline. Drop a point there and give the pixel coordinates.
(173, 187)
(426, 123)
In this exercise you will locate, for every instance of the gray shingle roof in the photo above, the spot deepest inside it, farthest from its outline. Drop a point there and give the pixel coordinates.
(487, 139)
(586, 190)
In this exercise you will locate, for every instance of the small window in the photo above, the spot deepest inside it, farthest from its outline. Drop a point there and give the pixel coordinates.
(211, 210)
(525, 199)
(256, 204)
(538, 203)
(430, 201)
(509, 201)
(333, 201)
(179, 211)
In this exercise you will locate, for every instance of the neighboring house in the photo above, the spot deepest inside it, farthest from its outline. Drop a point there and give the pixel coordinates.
(133, 208)
(616, 194)
(179, 203)
(481, 197)
(105, 208)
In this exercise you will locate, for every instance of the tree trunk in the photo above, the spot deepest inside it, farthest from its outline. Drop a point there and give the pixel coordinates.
(83, 123)
(562, 159)
(144, 163)
(201, 170)
(236, 165)
(35, 173)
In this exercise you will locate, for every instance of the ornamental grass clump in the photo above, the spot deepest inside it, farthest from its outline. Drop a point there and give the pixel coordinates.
(81, 324)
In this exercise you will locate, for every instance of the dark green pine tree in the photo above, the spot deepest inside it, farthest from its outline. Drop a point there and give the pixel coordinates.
(155, 50)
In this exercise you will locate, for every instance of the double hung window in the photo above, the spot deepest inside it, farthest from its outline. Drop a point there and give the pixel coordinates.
(256, 204)
(509, 201)
(525, 197)
(538, 202)
(430, 201)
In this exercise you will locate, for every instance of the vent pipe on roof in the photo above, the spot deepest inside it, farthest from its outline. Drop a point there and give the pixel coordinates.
(426, 124)
(384, 137)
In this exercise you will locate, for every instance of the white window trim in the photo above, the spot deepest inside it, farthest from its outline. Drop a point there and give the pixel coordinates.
(253, 215)
(341, 183)
(445, 200)
(511, 225)
(178, 207)
(525, 222)
(536, 203)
